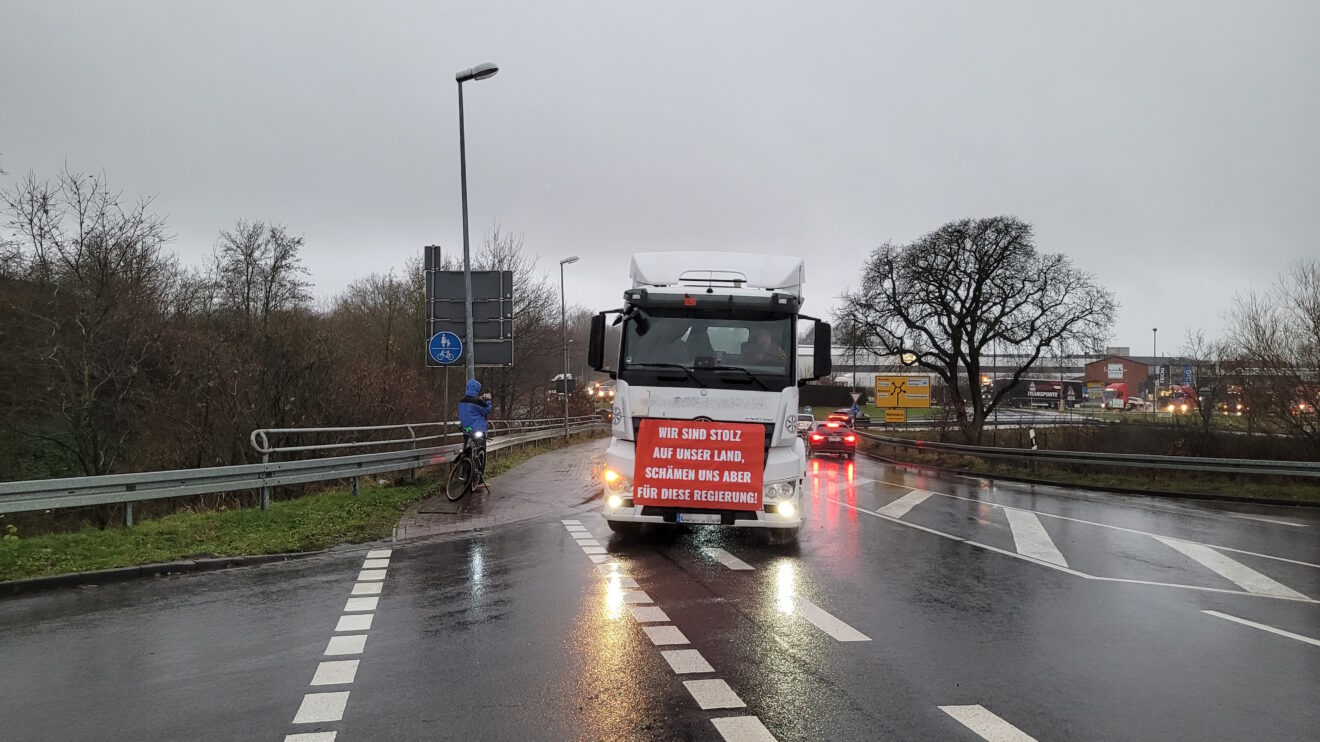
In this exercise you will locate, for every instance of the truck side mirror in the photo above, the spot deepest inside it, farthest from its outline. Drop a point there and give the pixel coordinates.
(822, 360)
(596, 344)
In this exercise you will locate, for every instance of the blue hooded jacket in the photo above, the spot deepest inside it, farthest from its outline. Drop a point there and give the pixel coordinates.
(472, 410)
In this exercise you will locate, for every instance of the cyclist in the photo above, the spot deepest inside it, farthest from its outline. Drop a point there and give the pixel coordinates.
(473, 409)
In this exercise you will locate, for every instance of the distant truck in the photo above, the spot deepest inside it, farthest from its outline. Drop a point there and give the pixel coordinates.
(1178, 399)
(1039, 392)
(1116, 396)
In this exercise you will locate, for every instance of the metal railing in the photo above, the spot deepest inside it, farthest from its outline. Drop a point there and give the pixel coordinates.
(1143, 461)
(126, 489)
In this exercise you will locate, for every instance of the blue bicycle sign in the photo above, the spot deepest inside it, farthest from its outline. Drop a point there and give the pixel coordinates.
(445, 348)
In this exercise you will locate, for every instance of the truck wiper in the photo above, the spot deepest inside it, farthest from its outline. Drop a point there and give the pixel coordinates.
(678, 366)
(744, 371)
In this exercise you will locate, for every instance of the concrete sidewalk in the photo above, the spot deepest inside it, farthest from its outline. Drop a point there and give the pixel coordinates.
(547, 484)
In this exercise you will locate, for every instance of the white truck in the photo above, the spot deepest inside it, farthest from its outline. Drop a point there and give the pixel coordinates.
(705, 406)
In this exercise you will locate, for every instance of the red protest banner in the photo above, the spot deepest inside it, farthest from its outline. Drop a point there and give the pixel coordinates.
(684, 463)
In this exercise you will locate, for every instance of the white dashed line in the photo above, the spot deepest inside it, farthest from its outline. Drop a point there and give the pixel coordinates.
(311, 737)
(649, 614)
(742, 729)
(350, 644)
(321, 707)
(593, 550)
(366, 588)
(1264, 627)
(900, 507)
(727, 559)
(829, 624)
(713, 694)
(379, 553)
(588, 541)
(376, 564)
(987, 726)
(636, 596)
(370, 575)
(686, 661)
(571, 522)
(1030, 538)
(597, 558)
(623, 581)
(335, 672)
(663, 636)
(360, 604)
(355, 622)
(1242, 575)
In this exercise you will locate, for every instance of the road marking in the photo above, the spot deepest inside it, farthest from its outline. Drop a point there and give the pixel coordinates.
(311, 737)
(686, 661)
(829, 624)
(611, 568)
(713, 694)
(742, 729)
(624, 581)
(360, 604)
(598, 558)
(379, 553)
(593, 550)
(335, 672)
(321, 707)
(588, 542)
(900, 507)
(986, 724)
(649, 614)
(577, 529)
(571, 522)
(366, 588)
(665, 635)
(376, 564)
(1267, 520)
(1030, 538)
(368, 575)
(1263, 627)
(727, 559)
(1074, 572)
(636, 596)
(1245, 577)
(351, 644)
(355, 622)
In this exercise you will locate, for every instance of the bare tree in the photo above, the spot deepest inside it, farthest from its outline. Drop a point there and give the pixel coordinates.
(259, 272)
(1277, 332)
(1210, 358)
(948, 295)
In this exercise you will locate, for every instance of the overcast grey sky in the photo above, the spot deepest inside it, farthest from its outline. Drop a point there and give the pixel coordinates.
(1169, 148)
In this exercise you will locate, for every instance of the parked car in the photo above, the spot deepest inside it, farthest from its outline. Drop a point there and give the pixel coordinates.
(833, 438)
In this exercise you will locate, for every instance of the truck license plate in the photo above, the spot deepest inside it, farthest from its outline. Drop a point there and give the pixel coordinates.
(710, 519)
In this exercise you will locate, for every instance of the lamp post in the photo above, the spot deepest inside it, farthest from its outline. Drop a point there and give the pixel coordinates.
(1155, 361)
(563, 326)
(480, 72)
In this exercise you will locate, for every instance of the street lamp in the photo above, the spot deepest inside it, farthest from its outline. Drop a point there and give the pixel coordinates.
(1155, 361)
(480, 72)
(563, 326)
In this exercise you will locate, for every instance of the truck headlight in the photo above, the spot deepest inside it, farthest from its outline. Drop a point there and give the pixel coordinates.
(616, 483)
(776, 491)
(785, 509)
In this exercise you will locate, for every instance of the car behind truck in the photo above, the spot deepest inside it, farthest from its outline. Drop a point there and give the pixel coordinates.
(704, 426)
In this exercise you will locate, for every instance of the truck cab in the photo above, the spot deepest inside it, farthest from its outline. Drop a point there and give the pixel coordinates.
(704, 426)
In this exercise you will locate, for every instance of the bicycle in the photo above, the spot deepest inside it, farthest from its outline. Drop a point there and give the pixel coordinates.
(468, 470)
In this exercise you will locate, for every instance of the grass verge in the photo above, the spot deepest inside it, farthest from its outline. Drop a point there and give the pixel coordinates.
(1154, 481)
(306, 523)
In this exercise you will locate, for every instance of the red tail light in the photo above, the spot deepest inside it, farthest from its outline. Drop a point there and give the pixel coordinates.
(817, 437)
(831, 425)
(850, 438)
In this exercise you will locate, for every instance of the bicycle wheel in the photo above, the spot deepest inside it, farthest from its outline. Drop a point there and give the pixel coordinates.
(460, 479)
(479, 465)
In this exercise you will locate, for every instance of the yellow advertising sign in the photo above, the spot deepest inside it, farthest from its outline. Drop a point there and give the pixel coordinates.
(902, 391)
(895, 415)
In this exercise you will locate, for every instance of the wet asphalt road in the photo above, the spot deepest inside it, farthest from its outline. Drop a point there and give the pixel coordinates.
(911, 602)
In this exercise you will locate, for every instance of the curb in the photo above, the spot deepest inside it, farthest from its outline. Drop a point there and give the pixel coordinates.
(124, 574)
(1097, 488)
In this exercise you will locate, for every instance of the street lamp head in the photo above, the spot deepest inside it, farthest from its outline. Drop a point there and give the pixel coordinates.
(480, 72)
(566, 261)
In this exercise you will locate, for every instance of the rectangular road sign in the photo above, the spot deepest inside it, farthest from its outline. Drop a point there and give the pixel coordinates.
(895, 415)
(902, 391)
(492, 310)
(481, 329)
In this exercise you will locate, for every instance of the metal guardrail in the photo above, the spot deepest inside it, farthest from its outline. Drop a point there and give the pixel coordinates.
(1144, 461)
(113, 489)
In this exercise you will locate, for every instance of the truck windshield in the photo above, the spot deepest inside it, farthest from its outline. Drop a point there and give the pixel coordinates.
(699, 349)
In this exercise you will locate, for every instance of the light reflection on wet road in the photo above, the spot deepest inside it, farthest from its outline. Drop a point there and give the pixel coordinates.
(932, 623)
